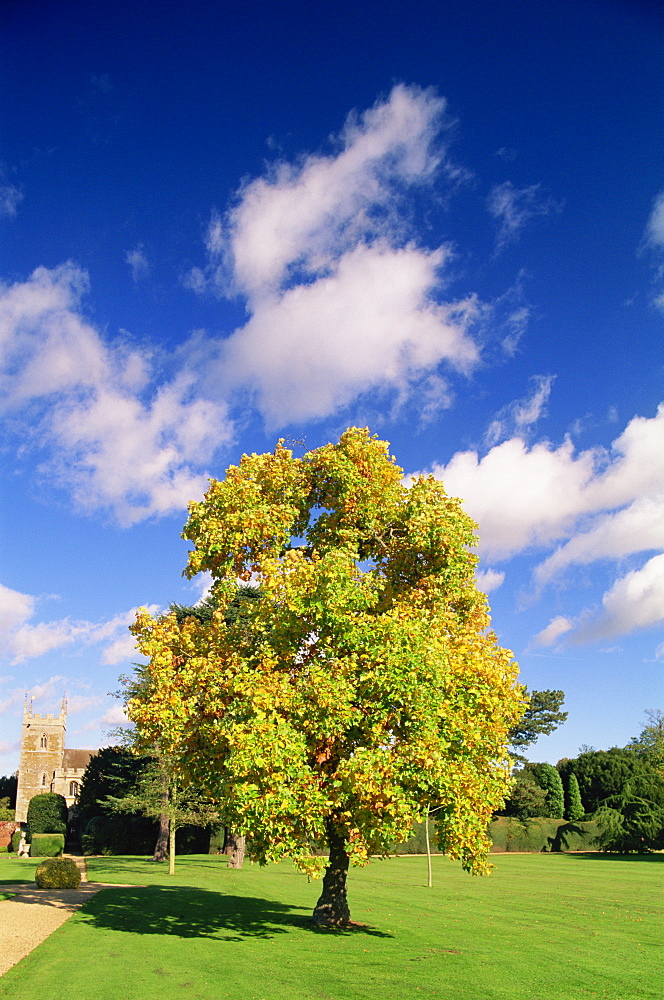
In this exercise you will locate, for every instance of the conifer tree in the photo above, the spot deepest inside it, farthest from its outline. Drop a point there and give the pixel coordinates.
(575, 810)
(548, 778)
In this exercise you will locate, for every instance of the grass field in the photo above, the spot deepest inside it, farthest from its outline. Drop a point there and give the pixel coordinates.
(541, 927)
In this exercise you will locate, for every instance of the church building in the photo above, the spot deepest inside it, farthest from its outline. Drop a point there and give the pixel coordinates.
(45, 765)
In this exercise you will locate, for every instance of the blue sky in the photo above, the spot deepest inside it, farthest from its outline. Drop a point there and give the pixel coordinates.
(223, 224)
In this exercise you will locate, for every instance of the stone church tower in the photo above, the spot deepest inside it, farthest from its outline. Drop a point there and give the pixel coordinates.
(45, 765)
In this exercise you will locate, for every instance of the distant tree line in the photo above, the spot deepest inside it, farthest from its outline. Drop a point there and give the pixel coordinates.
(621, 788)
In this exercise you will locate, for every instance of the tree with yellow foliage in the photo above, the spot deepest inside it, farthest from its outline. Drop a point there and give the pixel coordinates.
(362, 689)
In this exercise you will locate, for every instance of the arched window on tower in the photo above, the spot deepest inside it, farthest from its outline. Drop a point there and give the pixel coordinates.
(43, 780)
(44, 741)
(73, 789)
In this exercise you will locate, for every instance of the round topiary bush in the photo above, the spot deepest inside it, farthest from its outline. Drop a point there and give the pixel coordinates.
(57, 873)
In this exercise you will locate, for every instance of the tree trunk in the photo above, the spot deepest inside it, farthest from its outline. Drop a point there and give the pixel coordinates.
(171, 848)
(161, 847)
(234, 847)
(426, 830)
(332, 907)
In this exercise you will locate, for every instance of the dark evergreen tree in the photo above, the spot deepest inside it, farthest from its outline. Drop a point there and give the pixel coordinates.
(527, 798)
(112, 773)
(624, 793)
(540, 718)
(631, 823)
(603, 774)
(574, 809)
(8, 785)
(548, 778)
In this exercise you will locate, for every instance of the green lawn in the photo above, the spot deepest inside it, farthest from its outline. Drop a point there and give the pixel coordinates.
(13, 870)
(542, 927)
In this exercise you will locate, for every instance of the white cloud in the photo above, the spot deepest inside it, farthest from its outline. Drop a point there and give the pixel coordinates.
(520, 416)
(635, 600)
(10, 198)
(120, 650)
(654, 238)
(655, 226)
(632, 529)
(371, 323)
(556, 628)
(21, 640)
(515, 326)
(49, 691)
(31, 641)
(117, 442)
(138, 262)
(533, 496)
(307, 215)
(520, 496)
(513, 208)
(79, 703)
(597, 505)
(340, 301)
(489, 580)
(132, 457)
(115, 716)
(202, 585)
(15, 608)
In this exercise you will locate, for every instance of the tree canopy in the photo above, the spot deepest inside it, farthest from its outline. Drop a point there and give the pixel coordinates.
(548, 778)
(8, 783)
(625, 794)
(603, 774)
(111, 772)
(158, 792)
(527, 797)
(649, 744)
(541, 716)
(362, 689)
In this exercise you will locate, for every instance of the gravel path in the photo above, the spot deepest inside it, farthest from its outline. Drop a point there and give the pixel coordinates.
(32, 914)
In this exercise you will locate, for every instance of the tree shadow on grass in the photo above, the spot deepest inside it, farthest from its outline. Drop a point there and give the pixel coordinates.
(611, 856)
(186, 912)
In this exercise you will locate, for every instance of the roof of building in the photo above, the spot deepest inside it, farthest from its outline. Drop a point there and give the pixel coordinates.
(76, 759)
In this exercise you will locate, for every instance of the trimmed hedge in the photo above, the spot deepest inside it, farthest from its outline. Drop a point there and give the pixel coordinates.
(417, 843)
(47, 845)
(127, 834)
(542, 834)
(57, 873)
(509, 834)
(191, 839)
(16, 840)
